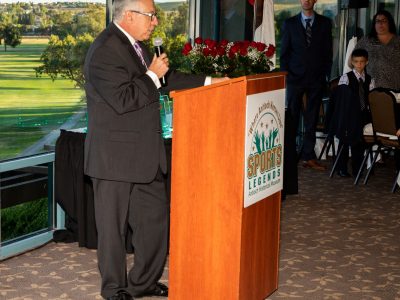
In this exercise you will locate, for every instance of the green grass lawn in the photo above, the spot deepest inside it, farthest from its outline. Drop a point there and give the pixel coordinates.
(31, 107)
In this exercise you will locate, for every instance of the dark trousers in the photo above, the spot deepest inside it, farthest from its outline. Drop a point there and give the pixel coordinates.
(294, 104)
(143, 208)
(357, 154)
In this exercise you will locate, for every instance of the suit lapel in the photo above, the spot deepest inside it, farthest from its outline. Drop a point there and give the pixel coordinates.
(300, 30)
(316, 28)
(146, 53)
(127, 44)
(136, 57)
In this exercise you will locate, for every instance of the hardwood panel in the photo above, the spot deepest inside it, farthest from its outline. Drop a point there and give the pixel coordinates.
(265, 83)
(218, 248)
(260, 248)
(206, 205)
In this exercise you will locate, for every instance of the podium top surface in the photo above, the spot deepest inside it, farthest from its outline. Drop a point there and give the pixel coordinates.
(229, 82)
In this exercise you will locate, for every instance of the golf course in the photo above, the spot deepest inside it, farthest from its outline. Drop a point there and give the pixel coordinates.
(31, 107)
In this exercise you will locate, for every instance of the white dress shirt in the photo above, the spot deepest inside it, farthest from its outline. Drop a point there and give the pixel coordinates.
(150, 73)
(344, 79)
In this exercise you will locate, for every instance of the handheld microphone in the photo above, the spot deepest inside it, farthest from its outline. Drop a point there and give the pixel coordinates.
(158, 49)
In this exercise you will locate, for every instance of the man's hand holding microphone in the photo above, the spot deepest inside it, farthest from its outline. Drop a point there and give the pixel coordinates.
(160, 63)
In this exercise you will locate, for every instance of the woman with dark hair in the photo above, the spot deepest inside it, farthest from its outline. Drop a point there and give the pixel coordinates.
(383, 46)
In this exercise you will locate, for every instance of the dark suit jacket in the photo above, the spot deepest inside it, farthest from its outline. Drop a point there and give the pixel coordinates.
(306, 65)
(348, 120)
(124, 141)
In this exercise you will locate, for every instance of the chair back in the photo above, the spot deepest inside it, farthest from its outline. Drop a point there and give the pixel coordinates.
(329, 106)
(382, 104)
(385, 123)
(326, 108)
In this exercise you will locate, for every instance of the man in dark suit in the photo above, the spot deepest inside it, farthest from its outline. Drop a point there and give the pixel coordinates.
(306, 54)
(124, 150)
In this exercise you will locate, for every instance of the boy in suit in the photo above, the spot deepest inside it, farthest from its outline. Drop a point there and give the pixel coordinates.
(351, 112)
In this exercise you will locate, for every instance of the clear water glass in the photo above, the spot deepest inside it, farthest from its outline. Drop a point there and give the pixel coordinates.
(166, 116)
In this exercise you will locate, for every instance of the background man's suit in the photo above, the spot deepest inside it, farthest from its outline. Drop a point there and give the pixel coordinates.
(124, 155)
(308, 68)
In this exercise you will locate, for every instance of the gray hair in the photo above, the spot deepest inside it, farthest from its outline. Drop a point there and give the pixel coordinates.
(119, 7)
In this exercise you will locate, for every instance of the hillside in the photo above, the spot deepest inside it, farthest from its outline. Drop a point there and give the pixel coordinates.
(170, 5)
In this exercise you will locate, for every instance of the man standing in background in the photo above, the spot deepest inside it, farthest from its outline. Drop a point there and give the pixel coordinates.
(306, 54)
(124, 150)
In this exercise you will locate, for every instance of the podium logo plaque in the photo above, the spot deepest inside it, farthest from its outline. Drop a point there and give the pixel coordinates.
(264, 142)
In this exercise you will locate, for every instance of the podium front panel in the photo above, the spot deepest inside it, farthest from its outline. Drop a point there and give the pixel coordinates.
(218, 249)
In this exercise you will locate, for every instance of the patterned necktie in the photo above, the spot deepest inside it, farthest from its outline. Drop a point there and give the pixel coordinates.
(139, 52)
(361, 93)
(308, 32)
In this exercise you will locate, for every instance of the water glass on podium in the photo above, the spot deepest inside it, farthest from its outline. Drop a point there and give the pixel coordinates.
(166, 116)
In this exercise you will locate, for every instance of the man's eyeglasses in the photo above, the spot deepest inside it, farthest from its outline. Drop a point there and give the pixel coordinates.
(152, 15)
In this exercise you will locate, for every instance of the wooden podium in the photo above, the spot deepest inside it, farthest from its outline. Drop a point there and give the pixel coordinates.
(218, 248)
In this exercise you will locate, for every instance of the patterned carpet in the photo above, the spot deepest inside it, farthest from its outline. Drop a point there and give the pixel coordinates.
(340, 241)
(55, 272)
(337, 242)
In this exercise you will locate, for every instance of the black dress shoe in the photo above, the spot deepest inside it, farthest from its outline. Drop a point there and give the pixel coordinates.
(343, 174)
(120, 295)
(161, 290)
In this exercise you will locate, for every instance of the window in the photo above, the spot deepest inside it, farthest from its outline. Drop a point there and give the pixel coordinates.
(27, 208)
(32, 108)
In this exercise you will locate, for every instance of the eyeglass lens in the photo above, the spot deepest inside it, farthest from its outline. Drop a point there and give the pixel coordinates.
(381, 21)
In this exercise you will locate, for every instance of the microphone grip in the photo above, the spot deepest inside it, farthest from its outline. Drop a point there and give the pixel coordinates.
(159, 50)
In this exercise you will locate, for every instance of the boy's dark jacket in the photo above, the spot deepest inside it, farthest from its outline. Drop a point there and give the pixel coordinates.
(347, 121)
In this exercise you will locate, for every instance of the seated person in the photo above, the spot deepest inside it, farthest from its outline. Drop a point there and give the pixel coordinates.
(351, 111)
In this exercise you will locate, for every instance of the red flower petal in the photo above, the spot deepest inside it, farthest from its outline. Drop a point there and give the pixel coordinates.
(198, 40)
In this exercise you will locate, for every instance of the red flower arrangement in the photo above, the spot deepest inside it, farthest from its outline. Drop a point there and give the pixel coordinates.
(226, 58)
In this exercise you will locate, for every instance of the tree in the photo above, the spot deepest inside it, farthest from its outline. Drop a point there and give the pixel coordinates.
(174, 48)
(12, 36)
(62, 23)
(92, 20)
(1, 32)
(65, 58)
(180, 20)
(4, 19)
